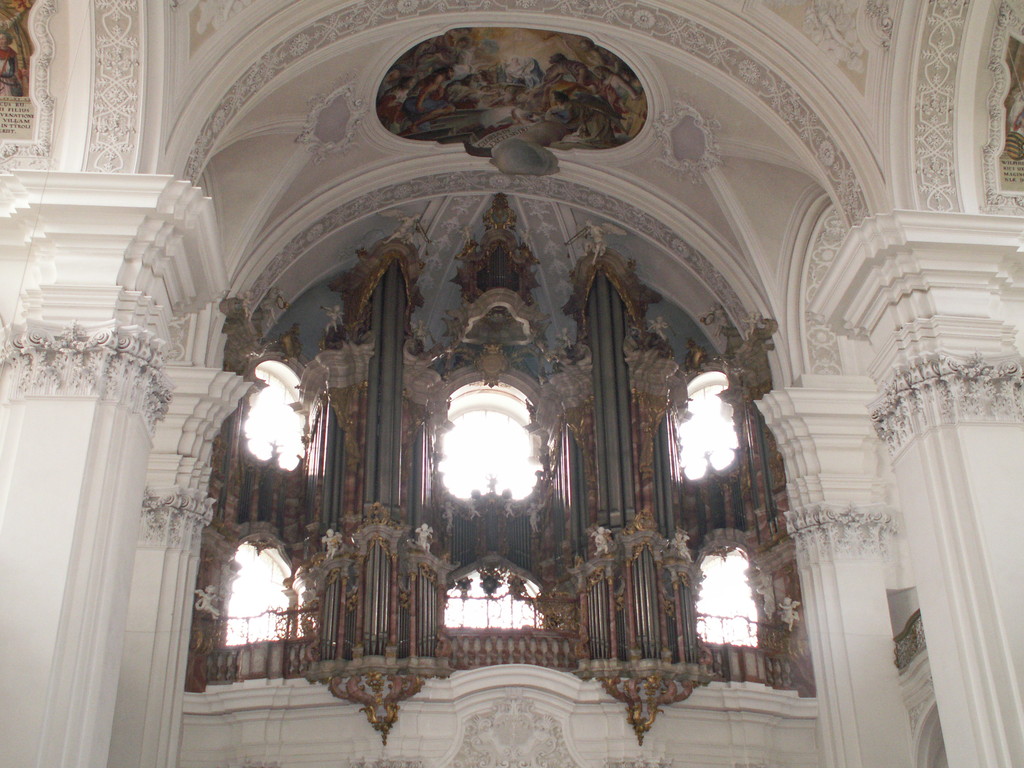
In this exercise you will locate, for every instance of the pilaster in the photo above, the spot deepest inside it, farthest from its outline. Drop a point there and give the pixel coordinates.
(152, 681)
(843, 536)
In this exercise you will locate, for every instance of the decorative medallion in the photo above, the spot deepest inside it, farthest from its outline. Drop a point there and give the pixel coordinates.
(510, 93)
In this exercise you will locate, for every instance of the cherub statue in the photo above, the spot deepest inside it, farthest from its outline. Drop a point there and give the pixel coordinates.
(332, 541)
(602, 541)
(595, 234)
(204, 601)
(335, 314)
(659, 327)
(681, 544)
(424, 537)
(408, 227)
(788, 613)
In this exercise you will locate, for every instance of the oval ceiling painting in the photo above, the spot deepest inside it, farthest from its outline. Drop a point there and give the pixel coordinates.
(511, 94)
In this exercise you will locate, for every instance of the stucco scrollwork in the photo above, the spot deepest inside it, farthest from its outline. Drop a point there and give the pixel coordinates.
(935, 165)
(942, 389)
(113, 134)
(662, 24)
(827, 532)
(332, 121)
(822, 342)
(36, 154)
(174, 517)
(115, 364)
(687, 141)
(513, 734)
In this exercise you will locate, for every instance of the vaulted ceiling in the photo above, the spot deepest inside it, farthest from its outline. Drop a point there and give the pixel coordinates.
(761, 115)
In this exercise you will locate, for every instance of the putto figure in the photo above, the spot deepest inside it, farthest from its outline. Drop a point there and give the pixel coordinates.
(204, 601)
(788, 613)
(424, 537)
(332, 541)
(602, 541)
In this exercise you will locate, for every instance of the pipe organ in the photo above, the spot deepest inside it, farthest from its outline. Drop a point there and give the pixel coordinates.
(378, 541)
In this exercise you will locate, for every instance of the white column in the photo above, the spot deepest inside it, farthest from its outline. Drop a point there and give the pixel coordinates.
(843, 536)
(956, 429)
(97, 262)
(78, 409)
(936, 296)
(840, 553)
(151, 687)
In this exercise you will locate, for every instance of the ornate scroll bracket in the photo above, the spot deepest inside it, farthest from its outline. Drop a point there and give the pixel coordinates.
(826, 532)
(644, 696)
(115, 364)
(940, 390)
(379, 694)
(173, 517)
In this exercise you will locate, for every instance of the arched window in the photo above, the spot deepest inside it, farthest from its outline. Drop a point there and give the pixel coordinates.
(257, 596)
(273, 428)
(707, 436)
(726, 612)
(491, 599)
(488, 447)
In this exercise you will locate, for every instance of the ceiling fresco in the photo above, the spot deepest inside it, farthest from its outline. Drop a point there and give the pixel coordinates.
(512, 94)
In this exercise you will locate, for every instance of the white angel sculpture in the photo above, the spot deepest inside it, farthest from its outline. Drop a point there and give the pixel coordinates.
(204, 601)
(681, 545)
(788, 613)
(424, 536)
(595, 235)
(408, 227)
(332, 541)
(602, 541)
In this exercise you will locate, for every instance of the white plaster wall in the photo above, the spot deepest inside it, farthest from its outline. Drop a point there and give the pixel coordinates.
(292, 723)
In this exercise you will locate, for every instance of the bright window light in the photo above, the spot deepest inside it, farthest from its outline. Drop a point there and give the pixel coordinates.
(726, 611)
(707, 436)
(470, 606)
(488, 448)
(257, 594)
(273, 428)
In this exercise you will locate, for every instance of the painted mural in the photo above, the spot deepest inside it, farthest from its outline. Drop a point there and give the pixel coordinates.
(1012, 159)
(511, 93)
(16, 114)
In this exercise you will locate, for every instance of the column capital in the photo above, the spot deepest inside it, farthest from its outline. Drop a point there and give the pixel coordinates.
(828, 532)
(940, 389)
(117, 364)
(173, 518)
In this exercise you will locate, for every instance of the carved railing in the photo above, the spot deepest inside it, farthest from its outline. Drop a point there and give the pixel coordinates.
(910, 642)
(472, 648)
(287, 650)
(768, 662)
